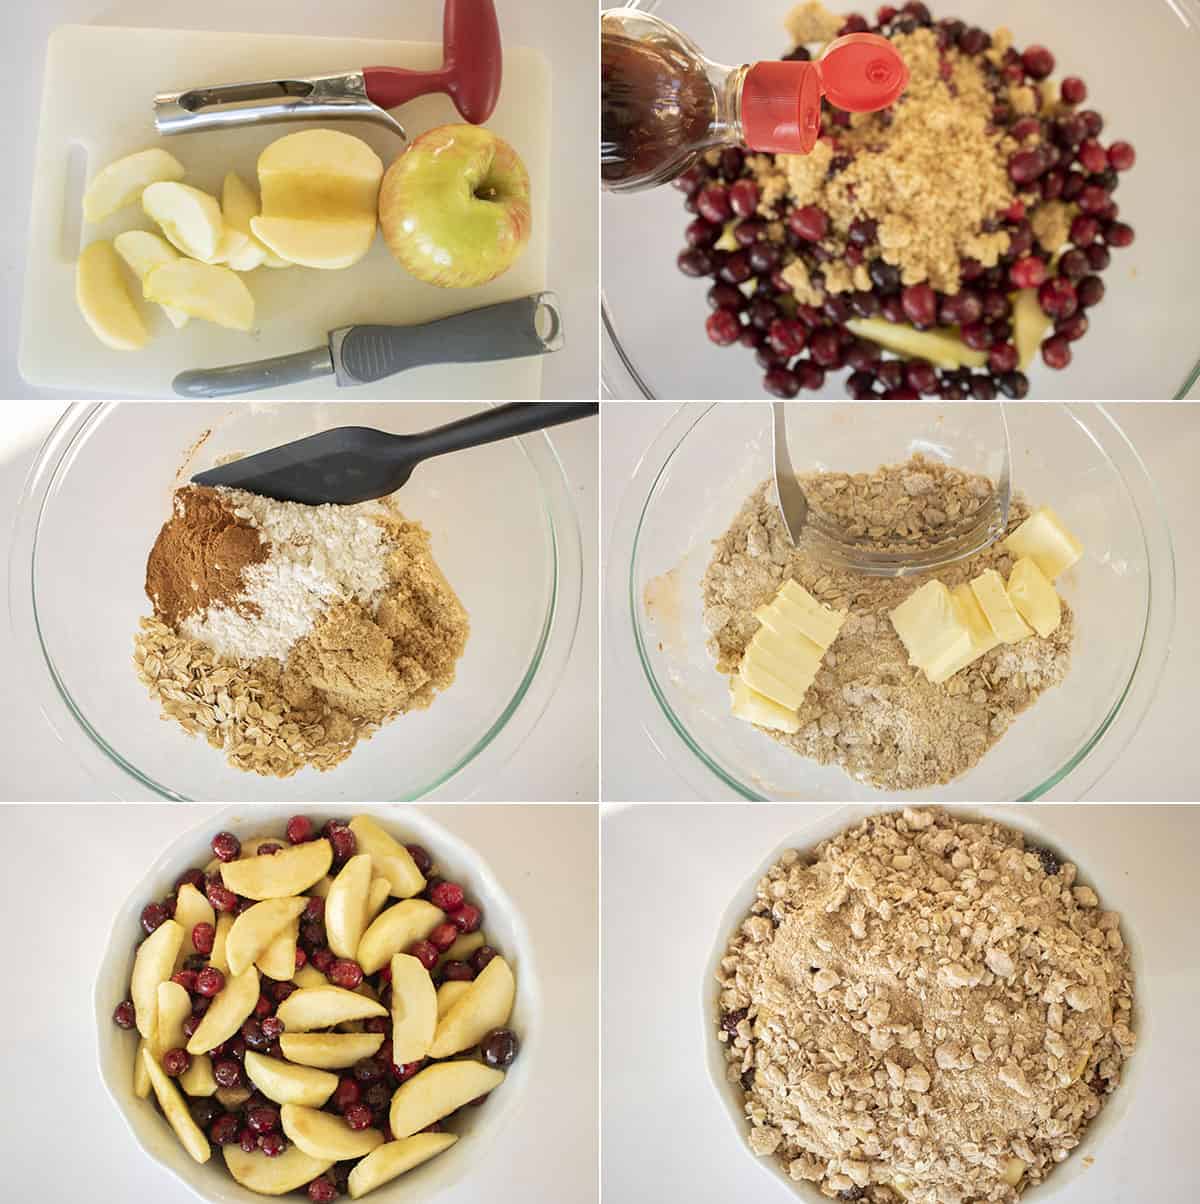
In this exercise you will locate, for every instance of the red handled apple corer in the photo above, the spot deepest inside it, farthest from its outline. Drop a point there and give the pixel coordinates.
(470, 75)
(663, 103)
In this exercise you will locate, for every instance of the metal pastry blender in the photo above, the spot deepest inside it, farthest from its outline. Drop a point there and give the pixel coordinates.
(470, 75)
(357, 355)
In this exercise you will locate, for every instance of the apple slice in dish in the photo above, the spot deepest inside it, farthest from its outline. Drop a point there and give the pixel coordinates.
(390, 858)
(232, 1098)
(323, 1007)
(176, 1110)
(174, 1007)
(144, 252)
(392, 931)
(414, 1009)
(449, 993)
(279, 875)
(217, 958)
(198, 1079)
(191, 908)
(123, 182)
(320, 888)
(238, 206)
(287, 1084)
(141, 1077)
(329, 1051)
(386, 1162)
(437, 1091)
(462, 948)
(202, 290)
(309, 976)
(346, 906)
(154, 963)
(226, 1012)
(378, 895)
(323, 1135)
(278, 960)
(487, 1005)
(104, 301)
(190, 219)
(255, 929)
(273, 1176)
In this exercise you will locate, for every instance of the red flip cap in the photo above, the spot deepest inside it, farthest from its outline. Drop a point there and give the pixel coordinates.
(781, 101)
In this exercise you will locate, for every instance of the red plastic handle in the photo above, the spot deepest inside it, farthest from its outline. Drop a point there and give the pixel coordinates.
(471, 70)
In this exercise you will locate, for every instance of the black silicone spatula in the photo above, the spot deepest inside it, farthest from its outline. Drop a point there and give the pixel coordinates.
(355, 463)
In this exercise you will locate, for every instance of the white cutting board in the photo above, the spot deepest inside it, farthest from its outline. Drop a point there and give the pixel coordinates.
(100, 85)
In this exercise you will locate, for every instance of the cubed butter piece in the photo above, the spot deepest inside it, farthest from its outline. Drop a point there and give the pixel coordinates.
(983, 638)
(795, 606)
(1034, 597)
(763, 673)
(930, 627)
(756, 708)
(1046, 541)
(995, 603)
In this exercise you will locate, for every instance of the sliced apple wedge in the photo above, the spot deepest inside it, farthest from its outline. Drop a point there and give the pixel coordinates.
(255, 929)
(191, 908)
(309, 976)
(174, 1007)
(437, 1091)
(487, 1005)
(356, 1026)
(104, 301)
(381, 890)
(287, 1084)
(141, 1077)
(273, 1176)
(144, 252)
(329, 1051)
(217, 957)
(190, 219)
(238, 206)
(323, 1007)
(279, 875)
(278, 960)
(154, 963)
(203, 290)
(449, 993)
(346, 906)
(941, 347)
(390, 858)
(197, 1079)
(322, 1135)
(462, 948)
(232, 1098)
(1030, 323)
(394, 930)
(176, 1110)
(123, 182)
(414, 1009)
(320, 889)
(226, 1012)
(386, 1162)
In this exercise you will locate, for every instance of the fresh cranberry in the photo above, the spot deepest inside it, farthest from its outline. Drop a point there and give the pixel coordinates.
(919, 376)
(186, 979)
(301, 958)
(1118, 234)
(369, 1070)
(764, 257)
(269, 849)
(346, 974)
(691, 263)
(176, 1061)
(358, 1116)
(192, 877)
(224, 1129)
(248, 1140)
(220, 896)
(1056, 351)
(690, 180)
(808, 223)
(787, 337)
(300, 829)
(748, 232)
(153, 915)
(447, 895)
(1084, 230)
(457, 972)
(227, 1072)
(346, 1093)
(322, 1190)
(425, 952)
(996, 305)
(743, 198)
(125, 1015)
(1057, 297)
(253, 1035)
(701, 233)
(825, 347)
(1025, 128)
(920, 304)
(1072, 328)
(982, 387)
(713, 204)
(732, 161)
(1014, 384)
(281, 990)
(272, 1027)
(781, 382)
(1028, 272)
(421, 858)
(725, 296)
(1093, 156)
(272, 1144)
(861, 386)
(210, 981)
(1002, 357)
(723, 327)
(735, 268)
(203, 935)
(1090, 291)
(499, 1048)
(1121, 156)
(226, 846)
(263, 1120)
(977, 336)
(1038, 62)
(443, 936)
(1098, 257)
(322, 959)
(1093, 200)
(862, 355)
(1025, 166)
(1073, 90)
(403, 1073)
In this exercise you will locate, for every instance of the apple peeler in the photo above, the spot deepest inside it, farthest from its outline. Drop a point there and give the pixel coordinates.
(470, 75)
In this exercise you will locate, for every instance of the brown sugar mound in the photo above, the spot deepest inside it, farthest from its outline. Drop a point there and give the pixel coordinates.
(199, 555)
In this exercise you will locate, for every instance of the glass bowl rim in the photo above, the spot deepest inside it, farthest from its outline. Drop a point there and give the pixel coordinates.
(506, 732)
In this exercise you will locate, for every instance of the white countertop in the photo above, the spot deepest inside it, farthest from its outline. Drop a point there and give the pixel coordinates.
(564, 31)
(668, 875)
(1167, 434)
(67, 1143)
(558, 763)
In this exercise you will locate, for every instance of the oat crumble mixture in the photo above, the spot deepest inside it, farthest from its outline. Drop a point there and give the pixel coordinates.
(869, 711)
(924, 1009)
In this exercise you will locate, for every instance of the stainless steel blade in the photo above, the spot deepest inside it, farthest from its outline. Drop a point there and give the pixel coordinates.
(793, 505)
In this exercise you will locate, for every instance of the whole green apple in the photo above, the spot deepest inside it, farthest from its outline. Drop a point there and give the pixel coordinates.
(454, 207)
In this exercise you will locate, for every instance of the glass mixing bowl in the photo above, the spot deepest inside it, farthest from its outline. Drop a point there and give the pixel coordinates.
(1143, 341)
(504, 532)
(689, 486)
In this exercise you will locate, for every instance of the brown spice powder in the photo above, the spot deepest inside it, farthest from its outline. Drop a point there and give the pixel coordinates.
(198, 557)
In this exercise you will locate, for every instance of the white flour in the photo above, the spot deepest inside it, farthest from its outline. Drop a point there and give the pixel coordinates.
(319, 555)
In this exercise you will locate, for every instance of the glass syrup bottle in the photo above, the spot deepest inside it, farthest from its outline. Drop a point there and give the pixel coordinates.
(662, 103)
